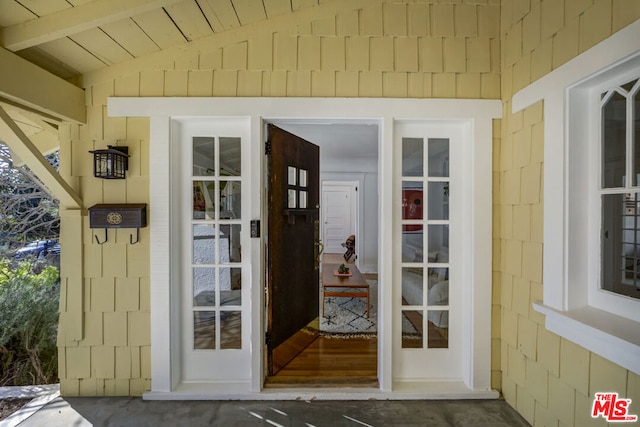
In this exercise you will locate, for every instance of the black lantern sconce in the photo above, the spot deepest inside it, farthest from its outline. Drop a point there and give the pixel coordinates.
(110, 163)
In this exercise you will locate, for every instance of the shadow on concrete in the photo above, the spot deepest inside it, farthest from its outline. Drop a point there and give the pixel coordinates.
(130, 411)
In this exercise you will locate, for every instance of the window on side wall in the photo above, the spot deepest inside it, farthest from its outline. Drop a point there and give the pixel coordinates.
(620, 189)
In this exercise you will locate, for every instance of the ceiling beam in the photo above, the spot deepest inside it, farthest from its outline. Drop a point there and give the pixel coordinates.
(19, 143)
(25, 84)
(74, 20)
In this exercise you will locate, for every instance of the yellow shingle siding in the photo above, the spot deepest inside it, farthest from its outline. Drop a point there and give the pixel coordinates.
(355, 48)
(549, 380)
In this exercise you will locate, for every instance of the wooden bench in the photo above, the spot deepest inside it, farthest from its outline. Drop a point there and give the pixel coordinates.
(356, 284)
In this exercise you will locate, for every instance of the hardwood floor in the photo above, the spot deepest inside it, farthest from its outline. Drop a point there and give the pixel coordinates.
(331, 362)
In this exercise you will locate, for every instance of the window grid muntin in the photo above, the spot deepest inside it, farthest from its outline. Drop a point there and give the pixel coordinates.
(425, 222)
(218, 308)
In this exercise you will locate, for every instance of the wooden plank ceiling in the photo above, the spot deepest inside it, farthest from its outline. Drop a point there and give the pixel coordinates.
(72, 37)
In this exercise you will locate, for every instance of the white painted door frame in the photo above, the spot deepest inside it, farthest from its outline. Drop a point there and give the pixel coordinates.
(354, 210)
(164, 258)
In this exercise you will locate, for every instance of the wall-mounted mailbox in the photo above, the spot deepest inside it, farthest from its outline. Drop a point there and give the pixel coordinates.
(124, 215)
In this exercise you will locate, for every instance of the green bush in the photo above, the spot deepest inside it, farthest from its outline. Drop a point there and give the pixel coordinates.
(28, 324)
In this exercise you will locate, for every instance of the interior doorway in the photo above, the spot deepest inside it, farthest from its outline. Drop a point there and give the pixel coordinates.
(345, 351)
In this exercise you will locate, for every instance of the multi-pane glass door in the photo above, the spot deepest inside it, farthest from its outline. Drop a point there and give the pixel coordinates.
(213, 291)
(427, 306)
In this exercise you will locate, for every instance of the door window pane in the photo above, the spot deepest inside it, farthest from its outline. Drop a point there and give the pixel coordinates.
(230, 286)
(204, 330)
(229, 156)
(438, 325)
(412, 285)
(438, 200)
(303, 178)
(412, 203)
(291, 199)
(204, 244)
(438, 157)
(439, 242)
(203, 156)
(412, 157)
(230, 330)
(614, 127)
(204, 286)
(292, 175)
(203, 199)
(230, 200)
(438, 293)
(412, 330)
(230, 243)
(412, 246)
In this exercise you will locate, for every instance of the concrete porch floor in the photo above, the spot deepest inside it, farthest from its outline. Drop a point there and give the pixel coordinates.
(131, 411)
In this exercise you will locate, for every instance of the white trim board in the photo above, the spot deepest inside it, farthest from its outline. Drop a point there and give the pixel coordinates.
(477, 115)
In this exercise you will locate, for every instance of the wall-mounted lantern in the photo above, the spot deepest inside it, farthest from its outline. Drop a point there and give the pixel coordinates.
(110, 163)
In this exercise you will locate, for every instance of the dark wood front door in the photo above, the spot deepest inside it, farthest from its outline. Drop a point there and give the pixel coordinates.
(293, 259)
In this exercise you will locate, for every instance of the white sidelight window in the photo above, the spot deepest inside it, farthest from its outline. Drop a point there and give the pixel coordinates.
(214, 295)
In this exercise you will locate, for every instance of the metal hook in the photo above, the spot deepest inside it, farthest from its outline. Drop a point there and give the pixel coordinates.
(106, 237)
(137, 237)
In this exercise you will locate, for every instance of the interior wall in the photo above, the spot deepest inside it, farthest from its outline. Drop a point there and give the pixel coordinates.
(345, 48)
(548, 379)
(367, 244)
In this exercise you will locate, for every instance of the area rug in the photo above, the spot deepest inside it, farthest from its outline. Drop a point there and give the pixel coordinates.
(346, 317)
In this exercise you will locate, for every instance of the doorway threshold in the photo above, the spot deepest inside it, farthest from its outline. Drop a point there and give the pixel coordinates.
(426, 390)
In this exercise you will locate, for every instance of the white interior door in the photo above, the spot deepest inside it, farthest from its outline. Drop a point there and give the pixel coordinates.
(338, 215)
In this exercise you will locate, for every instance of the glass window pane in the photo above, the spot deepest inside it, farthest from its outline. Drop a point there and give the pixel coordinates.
(412, 246)
(204, 286)
(438, 157)
(230, 243)
(230, 156)
(412, 285)
(438, 292)
(614, 128)
(439, 242)
(204, 330)
(303, 199)
(230, 200)
(303, 178)
(438, 200)
(291, 199)
(438, 324)
(412, 203)
(412, 157)
(230, 286)
(203, 200)
(636, 139)
(230, 330)
(203, 156)
(412, 330)
(620, 236)
(292, 175)
(204, 244)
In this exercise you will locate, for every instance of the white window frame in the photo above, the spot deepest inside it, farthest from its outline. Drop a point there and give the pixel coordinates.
(574, 305)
